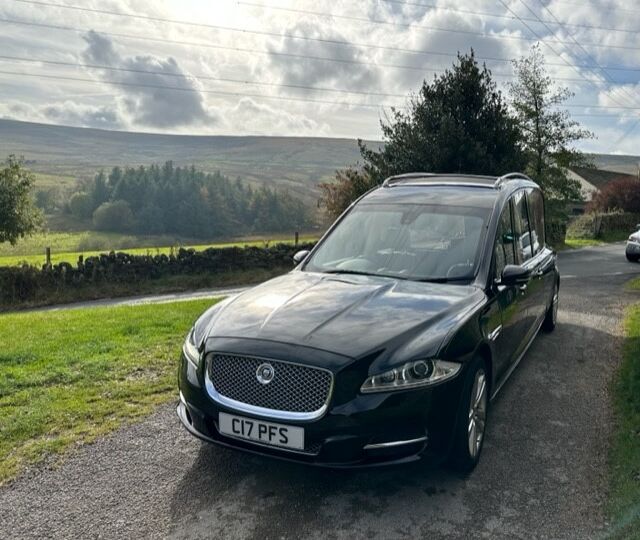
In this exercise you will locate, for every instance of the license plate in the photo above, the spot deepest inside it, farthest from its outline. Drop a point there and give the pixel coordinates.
(260, 431)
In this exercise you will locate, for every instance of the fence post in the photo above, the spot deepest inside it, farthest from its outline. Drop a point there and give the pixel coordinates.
(296, 239)
(47, 254)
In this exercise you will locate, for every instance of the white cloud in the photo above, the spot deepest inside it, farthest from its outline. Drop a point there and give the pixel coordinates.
(199, 109)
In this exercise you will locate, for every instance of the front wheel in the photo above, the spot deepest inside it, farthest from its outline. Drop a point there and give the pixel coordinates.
(632, 258)
(472, 419)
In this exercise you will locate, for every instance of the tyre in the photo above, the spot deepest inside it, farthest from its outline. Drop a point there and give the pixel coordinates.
(551, 318)
(472, 419)
(631, 257)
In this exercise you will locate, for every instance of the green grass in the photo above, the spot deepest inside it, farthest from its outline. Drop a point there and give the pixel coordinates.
(66, 247)
(44, 181)
(624, 500)
(70, 376)
(634, 284)
(582, 242)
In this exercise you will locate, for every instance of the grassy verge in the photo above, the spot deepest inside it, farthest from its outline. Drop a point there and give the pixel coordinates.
(70, 376)
(582, 242)
(66, 247)
(616, 236)
(624, 501)
(166, 284)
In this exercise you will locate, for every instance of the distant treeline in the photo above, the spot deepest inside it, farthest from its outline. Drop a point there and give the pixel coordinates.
(184, 201)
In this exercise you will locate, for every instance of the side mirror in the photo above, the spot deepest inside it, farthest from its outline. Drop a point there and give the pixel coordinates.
(515, 275)
(300, 256)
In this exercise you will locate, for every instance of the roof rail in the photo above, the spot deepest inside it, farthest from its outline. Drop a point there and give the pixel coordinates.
(435, 178)
(511, 176)
(403, 177)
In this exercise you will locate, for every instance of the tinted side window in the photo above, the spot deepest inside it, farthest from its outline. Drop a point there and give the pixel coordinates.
(504, 250)
(536, 212)
(523, 230)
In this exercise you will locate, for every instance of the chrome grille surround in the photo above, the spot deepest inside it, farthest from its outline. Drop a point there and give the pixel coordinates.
(297, 391)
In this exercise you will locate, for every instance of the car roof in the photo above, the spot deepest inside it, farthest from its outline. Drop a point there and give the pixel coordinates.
(448, 189)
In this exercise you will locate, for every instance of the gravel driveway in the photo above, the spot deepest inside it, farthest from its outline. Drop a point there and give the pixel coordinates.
(542, 473)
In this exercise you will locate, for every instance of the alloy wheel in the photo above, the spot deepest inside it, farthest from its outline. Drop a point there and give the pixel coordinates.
(477, 413)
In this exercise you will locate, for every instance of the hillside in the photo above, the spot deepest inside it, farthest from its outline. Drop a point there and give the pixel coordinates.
(295, 163)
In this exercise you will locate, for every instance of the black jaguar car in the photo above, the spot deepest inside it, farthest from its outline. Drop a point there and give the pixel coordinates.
(389, 339)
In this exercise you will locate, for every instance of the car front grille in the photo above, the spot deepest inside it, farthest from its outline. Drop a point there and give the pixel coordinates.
(294, 388)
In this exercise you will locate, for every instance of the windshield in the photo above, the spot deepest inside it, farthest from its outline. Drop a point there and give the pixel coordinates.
(409, 241)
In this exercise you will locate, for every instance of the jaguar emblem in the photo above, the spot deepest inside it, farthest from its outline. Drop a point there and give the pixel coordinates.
(265, 373)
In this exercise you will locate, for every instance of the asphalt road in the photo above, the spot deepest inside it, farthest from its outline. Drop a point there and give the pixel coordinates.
(542, 472)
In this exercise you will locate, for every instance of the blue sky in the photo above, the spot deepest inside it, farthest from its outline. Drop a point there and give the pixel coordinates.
(284, 67)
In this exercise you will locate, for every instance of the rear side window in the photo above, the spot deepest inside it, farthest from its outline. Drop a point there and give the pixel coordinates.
(504, 250)
(536, 213)
(523, 230)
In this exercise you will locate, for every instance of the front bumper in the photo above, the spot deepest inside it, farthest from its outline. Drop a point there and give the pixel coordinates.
(366, 430)
(633, 248)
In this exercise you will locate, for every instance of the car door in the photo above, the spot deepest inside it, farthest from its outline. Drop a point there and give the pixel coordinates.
(508, 335)
(543, 262)
(529, 293)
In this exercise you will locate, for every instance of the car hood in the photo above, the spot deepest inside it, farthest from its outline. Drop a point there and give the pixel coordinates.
(344, 314)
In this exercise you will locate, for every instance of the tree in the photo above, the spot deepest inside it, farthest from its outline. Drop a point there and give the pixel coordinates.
(623, 194)
(548, 133)
(81, 205)
(349, 185)
(19, 216)
(113, 216)
(458, 123)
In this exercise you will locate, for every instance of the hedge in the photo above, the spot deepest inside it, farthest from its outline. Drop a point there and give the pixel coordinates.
(600, 224)
(22, 284)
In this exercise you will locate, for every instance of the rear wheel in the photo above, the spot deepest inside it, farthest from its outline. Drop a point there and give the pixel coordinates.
(551, 318)
(472, 419)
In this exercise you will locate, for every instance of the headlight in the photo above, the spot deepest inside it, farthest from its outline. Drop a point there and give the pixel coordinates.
(632, 239)
(190, 349)
(412, 375)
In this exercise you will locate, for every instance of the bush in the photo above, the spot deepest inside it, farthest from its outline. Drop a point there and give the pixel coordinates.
(623, 194)
(81, 205)
(113, 216)
(602, 224)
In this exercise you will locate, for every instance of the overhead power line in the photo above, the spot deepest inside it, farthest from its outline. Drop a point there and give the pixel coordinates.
(237, 81)
(499, 16)
(259, 51)
(425, 27)
(632, 97)
(404, 50)
(193, 77)
(260, 96)
(346, 104)
(526, 25)
(397, 2)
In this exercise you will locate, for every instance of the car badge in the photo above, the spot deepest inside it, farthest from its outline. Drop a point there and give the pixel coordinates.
(265, 373)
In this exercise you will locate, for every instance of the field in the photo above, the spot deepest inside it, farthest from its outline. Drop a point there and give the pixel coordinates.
(624, 505)
(69, 245)
(74, 375)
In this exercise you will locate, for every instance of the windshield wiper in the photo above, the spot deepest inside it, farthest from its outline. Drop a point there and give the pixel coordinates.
(352, 272)
(361, 273)
(444, 279)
